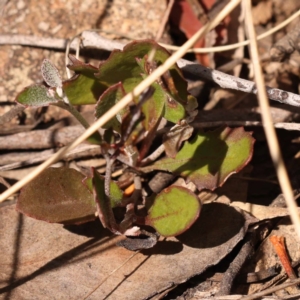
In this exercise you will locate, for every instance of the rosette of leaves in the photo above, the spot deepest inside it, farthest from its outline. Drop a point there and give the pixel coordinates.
(124, 70)
(206, 158)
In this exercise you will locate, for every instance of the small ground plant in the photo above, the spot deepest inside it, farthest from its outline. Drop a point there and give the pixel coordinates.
(152, 141)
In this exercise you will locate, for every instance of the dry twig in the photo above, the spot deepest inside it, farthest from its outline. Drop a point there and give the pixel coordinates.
(41, 139)
(236, 265)
(60, 44)
(81, 151)
(90, 39)
(164, 20)
(13, 112)
(220, 78)
(271, 290)
(280, 249)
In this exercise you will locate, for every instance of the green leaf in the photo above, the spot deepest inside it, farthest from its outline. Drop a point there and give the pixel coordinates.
(116, 194)
(173, 110)
(36, 95)
(130, 67)
(51, 74)
(174, 210)
(83, 88)
(153, 108)
(210, 157)
(57, 196)
(107, 100)
(121, 66)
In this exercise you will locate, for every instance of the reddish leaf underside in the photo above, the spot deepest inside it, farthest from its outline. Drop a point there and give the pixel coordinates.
(186, 17)
(104, 205)
(57, 196)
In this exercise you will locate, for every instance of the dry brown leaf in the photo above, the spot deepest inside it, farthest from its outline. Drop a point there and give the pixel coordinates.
(262, 12)
(50, 262)
(262, 212)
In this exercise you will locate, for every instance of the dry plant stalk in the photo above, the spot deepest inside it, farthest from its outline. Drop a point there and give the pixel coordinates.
(268, 123)
(271, 290)
(240, 44)
(164, 21)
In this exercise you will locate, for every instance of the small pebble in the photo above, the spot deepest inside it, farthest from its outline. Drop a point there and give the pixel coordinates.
(43, 26)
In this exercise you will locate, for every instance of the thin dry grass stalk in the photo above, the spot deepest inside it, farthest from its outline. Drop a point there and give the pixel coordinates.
(268, 123)
(61, 44)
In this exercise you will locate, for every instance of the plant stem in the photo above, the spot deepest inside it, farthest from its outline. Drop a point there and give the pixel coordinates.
(72, 110)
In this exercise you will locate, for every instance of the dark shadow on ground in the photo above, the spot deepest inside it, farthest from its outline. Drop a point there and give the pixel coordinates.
(217, 224)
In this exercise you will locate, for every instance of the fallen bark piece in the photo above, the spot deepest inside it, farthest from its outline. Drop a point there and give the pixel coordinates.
(262, 212)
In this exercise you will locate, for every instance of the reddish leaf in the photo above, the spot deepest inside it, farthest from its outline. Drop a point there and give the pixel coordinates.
(57, 196)
(185, 18)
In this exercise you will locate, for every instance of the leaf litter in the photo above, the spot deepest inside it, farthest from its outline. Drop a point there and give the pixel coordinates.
(79, 256)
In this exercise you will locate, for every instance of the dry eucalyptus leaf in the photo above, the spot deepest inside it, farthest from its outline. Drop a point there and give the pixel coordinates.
(48, 261)
(262, 212)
